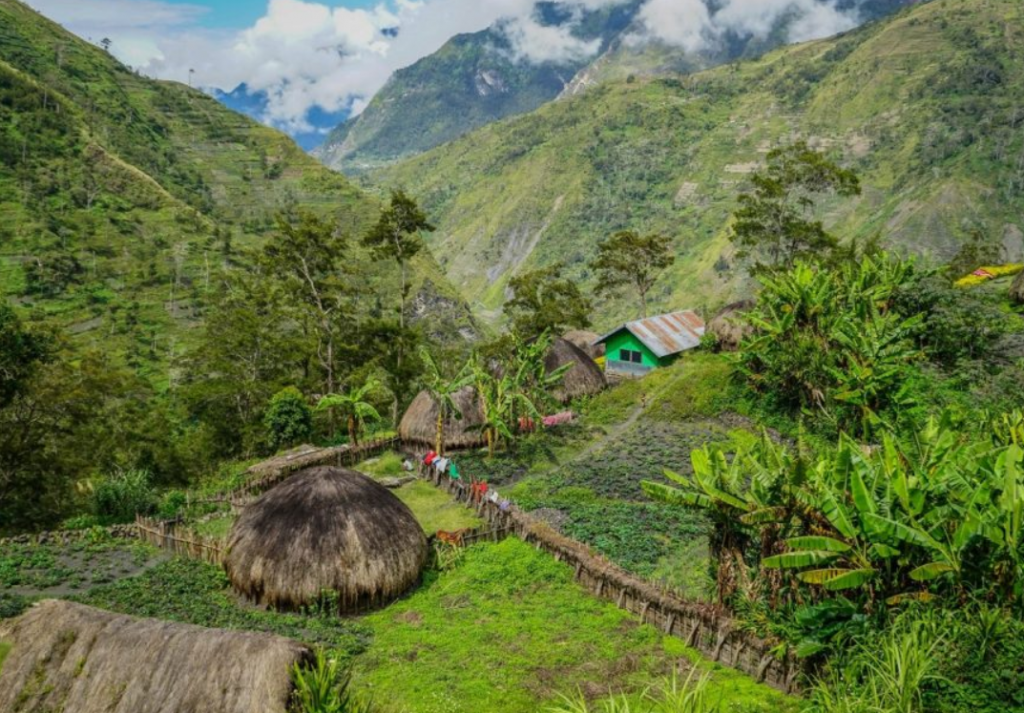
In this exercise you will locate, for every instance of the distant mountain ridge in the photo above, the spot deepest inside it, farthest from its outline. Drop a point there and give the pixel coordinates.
(927, 105)
(475, 79)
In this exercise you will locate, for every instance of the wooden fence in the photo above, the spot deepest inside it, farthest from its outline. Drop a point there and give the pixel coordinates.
(172, 536)
(702, 626)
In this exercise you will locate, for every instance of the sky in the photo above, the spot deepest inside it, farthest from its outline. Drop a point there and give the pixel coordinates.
(334, 55)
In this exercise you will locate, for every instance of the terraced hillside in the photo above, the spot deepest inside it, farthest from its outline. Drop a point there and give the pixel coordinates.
(120, 196)
(927, 106)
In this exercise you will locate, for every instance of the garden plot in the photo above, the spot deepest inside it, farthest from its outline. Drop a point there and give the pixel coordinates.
(58, 569)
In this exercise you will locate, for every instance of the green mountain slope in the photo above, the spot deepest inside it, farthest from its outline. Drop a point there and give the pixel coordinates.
(120, 196)
(476, 79)
(473, 80)
(928, 106)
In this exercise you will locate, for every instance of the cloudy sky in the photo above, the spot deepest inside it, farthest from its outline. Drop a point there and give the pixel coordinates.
(335, 54)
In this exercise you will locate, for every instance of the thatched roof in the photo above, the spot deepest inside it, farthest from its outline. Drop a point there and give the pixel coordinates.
(75, 659)
(1017, 290)
(586, 341)
(326, 530)
(729, 327)
(419, 424)
(585, 378)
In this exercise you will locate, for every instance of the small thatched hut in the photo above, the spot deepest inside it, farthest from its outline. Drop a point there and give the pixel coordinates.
(77, 659)
(419, 424)
(326, 530)
(1017, 290)
(584, 378)
(586, 341)
(729, 327)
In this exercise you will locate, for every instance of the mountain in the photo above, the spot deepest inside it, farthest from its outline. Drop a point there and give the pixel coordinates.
(928, 107)
(256, 103)
(120, 196)
(476, 79)
(473, 80)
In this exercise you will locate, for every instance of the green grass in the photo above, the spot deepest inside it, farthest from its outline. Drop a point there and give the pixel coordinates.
(218, 527)
(507, 630)
(388, 465)
(434, 509)
(5, 648)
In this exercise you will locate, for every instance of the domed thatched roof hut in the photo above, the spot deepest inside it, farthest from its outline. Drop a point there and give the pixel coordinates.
(1017, 290)
(419, 424)
(586, 341)
(326, 529)
(728, 325)
(585, 378)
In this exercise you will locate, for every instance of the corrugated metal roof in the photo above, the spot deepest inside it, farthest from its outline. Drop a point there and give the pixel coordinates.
(665, 334)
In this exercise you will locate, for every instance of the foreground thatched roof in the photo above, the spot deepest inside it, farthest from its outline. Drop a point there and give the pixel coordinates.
(585, 378)
(586, 341)
(419, 424)
(75, 659)
(729, 327)
(1017, 290)
(326, 530)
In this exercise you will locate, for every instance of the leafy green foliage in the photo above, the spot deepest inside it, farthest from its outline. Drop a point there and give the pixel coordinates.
(323, 686)
(827, 342)
(629, 259)
(354, 407)
(289, 420)
(194, 592)
(121, 496)
(21, 352)
(546, 301)
(774, 223)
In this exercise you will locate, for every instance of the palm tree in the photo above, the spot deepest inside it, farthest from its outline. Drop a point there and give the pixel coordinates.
(443, 391)
(353, 406)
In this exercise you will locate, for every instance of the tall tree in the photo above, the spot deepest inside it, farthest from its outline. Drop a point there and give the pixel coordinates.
(307, 257)
(21, 353)
(546, 301)
(396, 236)
(775, 222)
(628, 259)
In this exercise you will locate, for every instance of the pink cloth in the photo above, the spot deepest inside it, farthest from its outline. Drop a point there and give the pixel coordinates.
(558, 419)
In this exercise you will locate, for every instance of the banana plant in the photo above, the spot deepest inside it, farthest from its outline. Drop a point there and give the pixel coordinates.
(443, 390)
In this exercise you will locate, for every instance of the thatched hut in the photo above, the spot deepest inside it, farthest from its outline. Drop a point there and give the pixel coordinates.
(326, 530)
(419, 424)
(1017, 290)
(584, 378)
(587, 341)
(78, 659)
(729, 327)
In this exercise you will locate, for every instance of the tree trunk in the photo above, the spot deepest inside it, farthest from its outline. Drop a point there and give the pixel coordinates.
(490, 442)
(439, 445)
(353, 436)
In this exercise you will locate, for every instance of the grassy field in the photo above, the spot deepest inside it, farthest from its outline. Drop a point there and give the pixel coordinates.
(508, 630)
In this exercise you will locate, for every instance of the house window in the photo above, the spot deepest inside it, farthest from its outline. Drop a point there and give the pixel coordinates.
(628, 355)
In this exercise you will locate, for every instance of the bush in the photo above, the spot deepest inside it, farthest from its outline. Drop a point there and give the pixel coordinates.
(323, 686)
(289, 419)
(172, 504)
(123, 495)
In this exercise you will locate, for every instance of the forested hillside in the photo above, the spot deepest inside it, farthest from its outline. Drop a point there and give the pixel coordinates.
(121, 197)
(926, 106)
(166, 267)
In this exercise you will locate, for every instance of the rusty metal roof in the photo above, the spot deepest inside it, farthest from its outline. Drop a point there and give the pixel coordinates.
(665, 334)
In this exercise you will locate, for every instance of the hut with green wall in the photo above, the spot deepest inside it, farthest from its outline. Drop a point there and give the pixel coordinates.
(638, 347)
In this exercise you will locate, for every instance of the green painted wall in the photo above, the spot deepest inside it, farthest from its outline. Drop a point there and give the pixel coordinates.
(624, 339)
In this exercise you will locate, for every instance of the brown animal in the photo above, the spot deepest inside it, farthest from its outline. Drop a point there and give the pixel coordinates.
(455, 538)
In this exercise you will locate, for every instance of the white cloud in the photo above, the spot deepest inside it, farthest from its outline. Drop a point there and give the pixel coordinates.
(306, 53)
(691, 25)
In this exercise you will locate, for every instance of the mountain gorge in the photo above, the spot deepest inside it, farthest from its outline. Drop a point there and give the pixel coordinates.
(121, 198)
(479, 78)
(927, 106)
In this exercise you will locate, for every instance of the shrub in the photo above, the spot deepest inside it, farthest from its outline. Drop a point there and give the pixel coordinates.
(323, 686)
(123, 495)
(289, 419)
